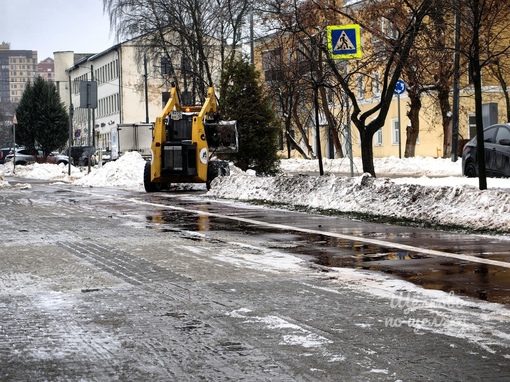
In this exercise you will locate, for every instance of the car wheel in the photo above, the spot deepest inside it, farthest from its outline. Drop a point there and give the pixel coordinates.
(470, 170)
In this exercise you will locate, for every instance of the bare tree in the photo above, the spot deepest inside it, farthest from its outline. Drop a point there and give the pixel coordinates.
(394, 27)
(302, 80)
(484, 26)
(191, 39)
(430, 71)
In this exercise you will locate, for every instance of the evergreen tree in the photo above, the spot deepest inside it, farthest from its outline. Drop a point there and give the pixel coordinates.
(42, 117)
(243, 99)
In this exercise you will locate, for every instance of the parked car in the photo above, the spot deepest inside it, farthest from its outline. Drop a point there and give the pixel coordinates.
(25, 156)
(496, 140)
(91, 153)
(106, 156)
(80, 154)
(3, 154)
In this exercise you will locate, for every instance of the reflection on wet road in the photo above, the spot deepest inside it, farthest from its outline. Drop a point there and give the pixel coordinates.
(483, 281)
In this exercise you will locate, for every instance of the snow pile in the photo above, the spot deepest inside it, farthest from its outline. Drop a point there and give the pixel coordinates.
(437, 193)
(43, 171)
(390, 166)
(3, 183)
(449, 205)
(126, 173)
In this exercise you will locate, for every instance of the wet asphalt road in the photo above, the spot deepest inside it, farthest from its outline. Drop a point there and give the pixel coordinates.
(96, 286)
(481, 281)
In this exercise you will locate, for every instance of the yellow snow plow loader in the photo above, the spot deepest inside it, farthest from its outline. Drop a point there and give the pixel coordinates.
(185, 141)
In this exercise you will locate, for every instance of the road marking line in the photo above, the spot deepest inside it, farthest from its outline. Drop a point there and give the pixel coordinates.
(387, 244)
(381, 243)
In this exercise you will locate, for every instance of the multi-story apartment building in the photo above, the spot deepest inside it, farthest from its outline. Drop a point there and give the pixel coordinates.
(17, 68)
(46, 69)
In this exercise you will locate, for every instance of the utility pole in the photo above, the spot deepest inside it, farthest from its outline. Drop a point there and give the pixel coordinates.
(252, 48)
(146, 88)
(456, 86)
(93, 112)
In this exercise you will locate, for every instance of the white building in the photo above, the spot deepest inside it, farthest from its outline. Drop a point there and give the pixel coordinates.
(121, 96)
(120, 92)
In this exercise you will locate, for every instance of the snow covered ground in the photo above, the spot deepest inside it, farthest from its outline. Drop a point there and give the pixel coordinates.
(423, 189)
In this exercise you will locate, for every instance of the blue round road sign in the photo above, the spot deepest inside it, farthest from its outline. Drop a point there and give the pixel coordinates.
(400, 87)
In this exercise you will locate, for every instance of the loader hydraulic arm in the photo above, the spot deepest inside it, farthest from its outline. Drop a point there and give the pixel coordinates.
(159, 136)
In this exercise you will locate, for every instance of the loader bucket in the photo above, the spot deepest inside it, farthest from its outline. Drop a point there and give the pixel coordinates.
(222, 136)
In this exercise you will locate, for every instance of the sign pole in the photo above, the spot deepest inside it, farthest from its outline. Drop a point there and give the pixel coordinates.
(400, 88)
(14, 123)
(344, 43)
(349, 132)
(399, 130)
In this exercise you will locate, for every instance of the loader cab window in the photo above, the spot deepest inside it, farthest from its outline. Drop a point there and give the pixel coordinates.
(179, 129)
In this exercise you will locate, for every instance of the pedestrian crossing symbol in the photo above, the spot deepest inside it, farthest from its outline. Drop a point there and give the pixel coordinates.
(344, 41)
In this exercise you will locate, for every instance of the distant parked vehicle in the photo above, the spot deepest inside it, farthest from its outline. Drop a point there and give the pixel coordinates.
(106, 156)
(25, 156)
(89, 152)
(79, 154)
(3, 154)
(497, 152)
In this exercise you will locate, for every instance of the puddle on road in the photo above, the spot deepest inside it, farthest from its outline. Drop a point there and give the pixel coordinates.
(480, 281)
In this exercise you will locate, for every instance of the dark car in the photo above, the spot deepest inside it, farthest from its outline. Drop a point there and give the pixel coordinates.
(89, 152)
(80, 155)
(497, 152)
(3, 154)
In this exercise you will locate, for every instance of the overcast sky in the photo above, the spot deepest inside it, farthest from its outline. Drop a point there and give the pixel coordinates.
(55, 25)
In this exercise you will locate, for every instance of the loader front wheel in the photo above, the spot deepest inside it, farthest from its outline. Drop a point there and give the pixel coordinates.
(147, 183)
(215, 169)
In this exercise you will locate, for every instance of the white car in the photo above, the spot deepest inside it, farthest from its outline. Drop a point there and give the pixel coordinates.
(25, 156)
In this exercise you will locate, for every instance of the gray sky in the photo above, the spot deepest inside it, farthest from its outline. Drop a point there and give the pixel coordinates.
(55, 25)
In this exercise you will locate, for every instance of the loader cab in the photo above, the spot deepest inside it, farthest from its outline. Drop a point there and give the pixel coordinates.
(179, 154)
(179, 127)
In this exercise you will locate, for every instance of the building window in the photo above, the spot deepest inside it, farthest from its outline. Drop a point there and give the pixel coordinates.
(389, 29)
(472, 125)
(360, 91)
(376, 84)
(272, 64)
(378, 138)
(395, 132)
(166, 66)
(185, 65)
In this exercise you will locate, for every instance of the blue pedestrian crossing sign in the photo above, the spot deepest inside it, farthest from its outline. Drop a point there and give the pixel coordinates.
(344, 41)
